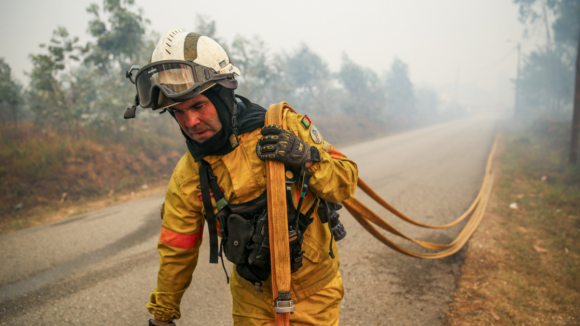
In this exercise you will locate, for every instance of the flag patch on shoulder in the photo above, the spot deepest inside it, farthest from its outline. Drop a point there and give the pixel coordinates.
(306, 122)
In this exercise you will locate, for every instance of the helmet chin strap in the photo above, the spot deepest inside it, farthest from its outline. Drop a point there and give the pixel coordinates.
(235, 114)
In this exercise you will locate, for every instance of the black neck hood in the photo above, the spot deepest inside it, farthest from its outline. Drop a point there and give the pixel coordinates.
(249, 117)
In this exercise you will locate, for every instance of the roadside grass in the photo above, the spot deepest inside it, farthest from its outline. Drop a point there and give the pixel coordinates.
(48, 174)
(522, 266)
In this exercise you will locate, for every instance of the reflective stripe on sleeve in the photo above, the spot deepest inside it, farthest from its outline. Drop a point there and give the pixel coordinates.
(178, 240)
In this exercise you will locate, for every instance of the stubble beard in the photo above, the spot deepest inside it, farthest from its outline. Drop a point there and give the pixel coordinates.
(191, 132)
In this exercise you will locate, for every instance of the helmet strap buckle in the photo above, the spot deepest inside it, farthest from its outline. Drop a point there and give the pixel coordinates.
(130, 112)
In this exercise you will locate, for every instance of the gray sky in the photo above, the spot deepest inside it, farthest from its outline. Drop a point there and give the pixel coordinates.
(441, 40)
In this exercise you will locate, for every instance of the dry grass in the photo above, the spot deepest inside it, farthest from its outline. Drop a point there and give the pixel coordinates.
(47, 174)
(523, 265)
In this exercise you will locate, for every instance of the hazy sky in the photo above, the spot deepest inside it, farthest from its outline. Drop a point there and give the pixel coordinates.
(439, 39)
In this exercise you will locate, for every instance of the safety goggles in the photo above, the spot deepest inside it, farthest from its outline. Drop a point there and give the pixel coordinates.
(178, 80)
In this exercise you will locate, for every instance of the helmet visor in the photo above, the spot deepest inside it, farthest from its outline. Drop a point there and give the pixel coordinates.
(177, 79)
(173, 79)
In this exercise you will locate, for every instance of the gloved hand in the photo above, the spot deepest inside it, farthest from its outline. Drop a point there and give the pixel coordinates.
(283, 146)
(153, 322)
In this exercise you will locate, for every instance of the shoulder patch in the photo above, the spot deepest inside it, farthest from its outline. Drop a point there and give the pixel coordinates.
(306, 122)
(315, 135)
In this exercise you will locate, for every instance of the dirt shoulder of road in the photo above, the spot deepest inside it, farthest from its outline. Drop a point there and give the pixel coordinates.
(523, 263)
(67, 209)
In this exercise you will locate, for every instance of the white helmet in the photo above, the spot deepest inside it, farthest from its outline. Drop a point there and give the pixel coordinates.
(181, 66)
(180, 45)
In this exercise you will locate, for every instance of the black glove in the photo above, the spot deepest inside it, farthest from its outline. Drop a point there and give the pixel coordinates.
(153, 322)
(283, 146)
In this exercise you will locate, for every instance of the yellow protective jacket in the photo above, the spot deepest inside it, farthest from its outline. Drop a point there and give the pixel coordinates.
(242, 176)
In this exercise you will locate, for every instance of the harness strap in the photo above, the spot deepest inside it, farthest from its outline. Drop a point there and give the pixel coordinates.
(218, 195)
(311, 209)
(330, 251)
(204, 178)
(304, 190)
(293, 211)
(222, 259)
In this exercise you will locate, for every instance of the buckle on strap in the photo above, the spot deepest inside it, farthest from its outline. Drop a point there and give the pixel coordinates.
(221, 203)
(284, 303)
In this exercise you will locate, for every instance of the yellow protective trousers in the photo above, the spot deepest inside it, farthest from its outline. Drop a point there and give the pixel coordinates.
(321, 308)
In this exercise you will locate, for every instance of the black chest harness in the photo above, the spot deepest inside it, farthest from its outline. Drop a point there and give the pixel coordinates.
(244, 227)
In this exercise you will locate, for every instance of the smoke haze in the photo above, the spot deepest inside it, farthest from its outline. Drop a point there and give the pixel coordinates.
(464, 50)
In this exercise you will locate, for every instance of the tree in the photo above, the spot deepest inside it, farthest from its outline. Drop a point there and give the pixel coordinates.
(546, 80)
(305, 69)
(69, 95)
(10, 94)
(364, 92)
(566, 55)
(400, 96)
(48, 93)
(568, 17)
(206, 26)
(251, 57)
(309, 81)
(427, 102)
(119, 41)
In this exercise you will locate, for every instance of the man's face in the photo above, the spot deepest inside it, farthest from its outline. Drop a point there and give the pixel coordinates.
(198, 118)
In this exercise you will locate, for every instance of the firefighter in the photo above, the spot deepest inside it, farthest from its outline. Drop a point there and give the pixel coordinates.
(221, 181)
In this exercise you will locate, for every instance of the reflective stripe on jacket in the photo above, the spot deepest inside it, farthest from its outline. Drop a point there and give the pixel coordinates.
(242, 176)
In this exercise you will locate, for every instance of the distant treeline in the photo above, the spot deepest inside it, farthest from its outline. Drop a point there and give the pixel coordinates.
(74, 85)
(63, 137)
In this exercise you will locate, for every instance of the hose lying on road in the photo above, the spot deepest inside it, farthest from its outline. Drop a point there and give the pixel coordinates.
(477, 209)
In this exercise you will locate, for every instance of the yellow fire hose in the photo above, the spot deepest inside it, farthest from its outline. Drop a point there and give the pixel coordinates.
(477, 209)
(278, 225)
(278, 222)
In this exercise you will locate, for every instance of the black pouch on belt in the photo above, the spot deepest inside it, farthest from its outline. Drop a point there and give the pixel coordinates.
(254, 263)
(244, 225)
(327, 214)
(240, 233)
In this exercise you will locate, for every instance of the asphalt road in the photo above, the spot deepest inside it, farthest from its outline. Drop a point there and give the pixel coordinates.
(99, 268)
